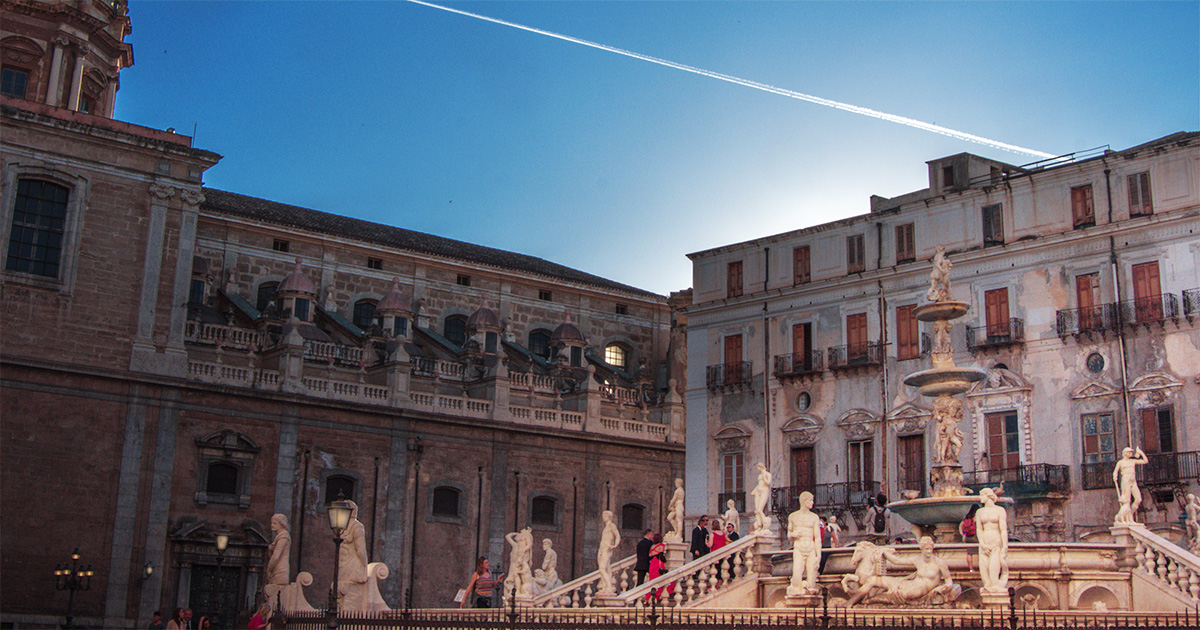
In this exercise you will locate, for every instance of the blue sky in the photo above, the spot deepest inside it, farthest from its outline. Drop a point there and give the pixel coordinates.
(411, 116)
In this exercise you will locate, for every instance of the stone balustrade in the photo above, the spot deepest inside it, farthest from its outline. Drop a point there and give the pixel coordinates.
(538, 383)
(1173, 568)
(326, 352)
(634, 429)
(228, 337)
(581, 592)
(700, 579)
(621, 395)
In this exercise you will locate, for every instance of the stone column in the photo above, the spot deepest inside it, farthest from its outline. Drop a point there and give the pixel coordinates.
(291, 362)
(399, 371)
(77, 78)
(158, 513)
(125, 515)
(142, 358)
(53, 98)
(176, 352)
(394, 520)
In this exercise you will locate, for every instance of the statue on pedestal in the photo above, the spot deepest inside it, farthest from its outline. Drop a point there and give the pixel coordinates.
(928, 584)
(731, 516)
(1125, 479)
(939, 277)
(761, 493)
(804, 530)
(278, 567)
(675, 514)
(609, 538)
(991, 527)
(947, 413)
(1193, 523)
(352, 558)
(519, 582)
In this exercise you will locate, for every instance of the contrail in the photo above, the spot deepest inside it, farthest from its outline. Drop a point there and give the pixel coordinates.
(865, 111)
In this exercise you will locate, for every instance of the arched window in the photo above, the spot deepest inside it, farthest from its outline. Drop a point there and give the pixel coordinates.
(339, 487)
(446, 501)
(454, 329)
(266, 294)
(364, 313)
(616, 355)
(38, 226)
(539, 343)
(632, 516)
(222, 479)
(543, 511)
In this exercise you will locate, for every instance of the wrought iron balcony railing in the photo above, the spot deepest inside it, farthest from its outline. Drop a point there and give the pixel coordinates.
(739, 501)
(1154, 309)
(1091, 319)
(799, 364)
(855, 355)
(1191, 304)
(996, 335)
(826, 496)
(1023, 481)
(1162, 469)
(725, 375)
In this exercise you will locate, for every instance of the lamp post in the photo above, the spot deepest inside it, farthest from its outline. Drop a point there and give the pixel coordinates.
(72, 578)
(222, 539)
(339, 518)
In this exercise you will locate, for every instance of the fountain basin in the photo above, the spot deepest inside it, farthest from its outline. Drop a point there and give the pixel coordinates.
(932, 511)
(948, 309)
(949, 381)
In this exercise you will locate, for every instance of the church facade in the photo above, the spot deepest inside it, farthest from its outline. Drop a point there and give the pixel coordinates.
(179, 361)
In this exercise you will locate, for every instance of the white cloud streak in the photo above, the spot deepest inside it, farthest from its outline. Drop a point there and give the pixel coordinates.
(855, 109)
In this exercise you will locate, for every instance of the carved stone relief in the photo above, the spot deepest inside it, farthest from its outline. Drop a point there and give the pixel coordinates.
(803, 431)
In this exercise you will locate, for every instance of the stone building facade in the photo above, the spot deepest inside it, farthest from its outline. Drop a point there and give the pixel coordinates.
(1082, 276)
(179, 360)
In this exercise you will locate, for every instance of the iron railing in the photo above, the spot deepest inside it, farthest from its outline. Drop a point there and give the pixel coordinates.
(1154, 309)
(1191, 304)
(739, 501)
(729, 374)
(1161, 469)
(996, 335)
(1091, 319)
(856, 355)
(827, 497)
(1022, 481)
(799, 364)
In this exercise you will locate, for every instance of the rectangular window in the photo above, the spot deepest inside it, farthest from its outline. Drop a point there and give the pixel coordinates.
(1147, 292)
(804, 468)
(301, 309)
(908, 333)
(463, 281)
(281, 245)
(38, 227)
(856, 337)
(196, 294)
(1083, 211)
(13, 82)
(948, 176)
(802, 347)
(732, 472)
(993, 224)
(1139, 195)
(801, 265)
(1099, 438)
(622, 309)
(1004, 440)
(733, 359)
(733, 279)
(545, 295)
(861, 464)
(996, 312)
(912, 462)
(1087, 296)
(906, 248)
(1158, 430)
(399, 327)
(375, 263)
(855, 257)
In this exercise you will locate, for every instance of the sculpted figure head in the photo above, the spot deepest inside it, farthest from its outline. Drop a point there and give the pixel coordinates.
(546, 544)
(926, 545)
(606, 516)
(678, 482)
(806, 500)
(988, 495)
(279, 523)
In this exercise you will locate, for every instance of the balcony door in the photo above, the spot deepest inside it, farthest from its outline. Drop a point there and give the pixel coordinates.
(1147, 293)
(856, 338)
(996, 312)
(804, 469)
(733, 359)
(1004, 440)
(802, 347)
(912, 462)
(1087, 296)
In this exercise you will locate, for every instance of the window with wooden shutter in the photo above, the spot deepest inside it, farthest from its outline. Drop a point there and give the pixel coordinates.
(1147, 292)
(993, 224)
(732, 472)
(908, 335)
(1158, 430)
(804, 468)
(734, 279)
(1099, 438)
(801, 265)
(855, 257)
(733, 359)
(861, 464)
(1083, 212)
(856, 337)
(1004, 440)
(802, 347)
(1087, 296)
(1139, 195)
(906, 250)
(912, 462)
(996, 311)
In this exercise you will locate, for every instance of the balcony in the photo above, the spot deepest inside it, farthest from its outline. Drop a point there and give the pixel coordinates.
(797, 365)
(1086, 321)
(1191, 304)
(1023, 482)
(827, 498)
(1162, 469)
(998, 335)
(739, 501)
(1155, 309)
(855, 356)
(729, 376)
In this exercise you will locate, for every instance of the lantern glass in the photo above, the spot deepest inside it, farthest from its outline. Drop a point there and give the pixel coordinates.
(339, 515)
(222, 540)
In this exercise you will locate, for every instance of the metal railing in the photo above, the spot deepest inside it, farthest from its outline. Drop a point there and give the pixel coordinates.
(1161, 469)
(856, 355)
(729, 374)
(739, 501)
(1091, 319)
(799, 364)
(1022, 481)
(826, 496)
(1153, 309)
(996, 335)
(1191, 303)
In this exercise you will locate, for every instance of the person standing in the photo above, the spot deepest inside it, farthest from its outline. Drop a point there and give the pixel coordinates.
(156, 623)
(480, 587)
(642, 566)
(700, 538)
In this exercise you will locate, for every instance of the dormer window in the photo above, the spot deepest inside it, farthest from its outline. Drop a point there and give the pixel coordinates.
(266, 295)
(576, 356)
(948, 176)
(539, 343)
(399, 327)
(300, 310)
(364, 314)
(454, 329)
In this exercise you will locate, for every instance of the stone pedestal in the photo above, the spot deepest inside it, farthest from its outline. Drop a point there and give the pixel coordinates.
(994, 601)
(677, 555)
(1121, 536)
(607, 601)
(766, 545)
(810, 600)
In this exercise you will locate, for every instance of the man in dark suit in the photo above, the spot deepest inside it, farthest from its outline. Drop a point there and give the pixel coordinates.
(642, 567)
(700, 538)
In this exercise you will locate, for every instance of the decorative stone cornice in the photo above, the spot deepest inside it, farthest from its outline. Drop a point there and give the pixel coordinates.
(161, 191)
(191, 197)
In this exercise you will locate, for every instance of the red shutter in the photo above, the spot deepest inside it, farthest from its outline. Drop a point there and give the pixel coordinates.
(1086, 289)
(1150, 437)
(856, 336)
(733, 359)
(800, 260)
(996, 311)
(908, 345)
(1082, 210)
(1147, 293)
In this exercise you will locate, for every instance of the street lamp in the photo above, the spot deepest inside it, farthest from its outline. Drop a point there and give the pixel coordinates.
(339, 518)
(72, 578)
(222, 538)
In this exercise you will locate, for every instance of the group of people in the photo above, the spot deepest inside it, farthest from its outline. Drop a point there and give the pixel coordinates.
(705, 540)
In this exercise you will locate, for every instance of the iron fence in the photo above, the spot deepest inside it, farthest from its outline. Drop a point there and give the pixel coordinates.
(1090, 319)
(1191, 303)
(827, 497)
(729, 374)
(996, 335)
(1023, 481)
(1154, 309)
(799, 364)
(855, 355)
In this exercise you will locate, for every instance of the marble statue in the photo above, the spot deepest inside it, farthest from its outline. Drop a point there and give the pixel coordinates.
(352, 559)
(947, 413)
(550, 565)
(519, 581)
(1125, 479)
(928, 584)
(835, 531)
(939, 277)
(610, 537)
(731, 515)
(761, 493)
(991, 527)
(804, 530)
(1193, 523)
(278, 569)
(675, 514)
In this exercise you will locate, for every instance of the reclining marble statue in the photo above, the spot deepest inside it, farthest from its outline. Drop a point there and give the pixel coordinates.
(928, 585)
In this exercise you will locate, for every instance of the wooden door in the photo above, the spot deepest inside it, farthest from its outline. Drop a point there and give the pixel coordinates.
(1147, 293)
(733, 359)
(912, 462)
(856, 337)
(996, 312)
(1087, 296)
(804, 469)
(802, 347)
(908, 333)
